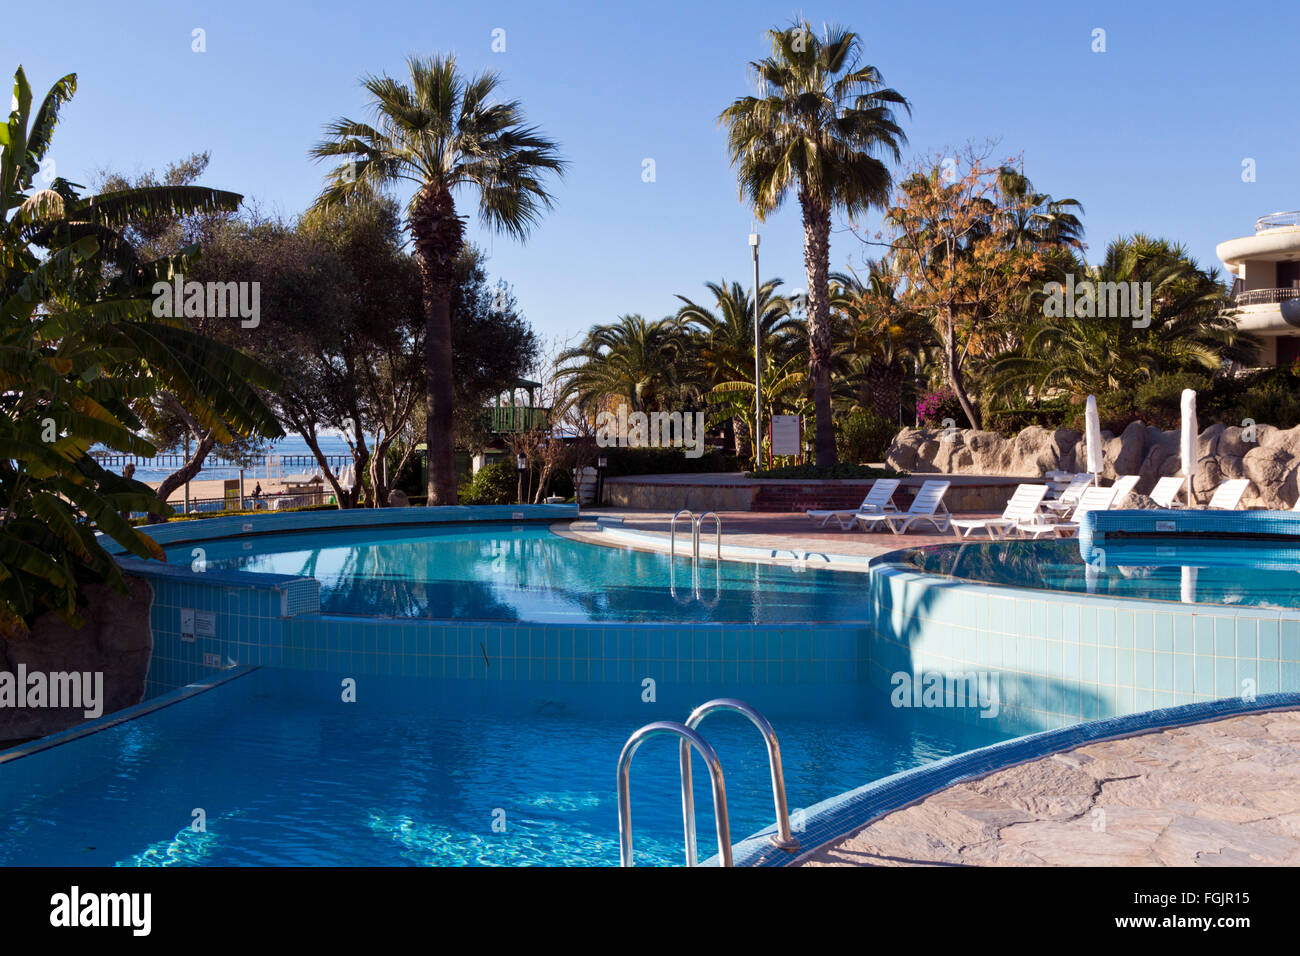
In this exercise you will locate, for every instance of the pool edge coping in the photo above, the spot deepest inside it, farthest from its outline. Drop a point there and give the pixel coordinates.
(855, 809)
(126, 714)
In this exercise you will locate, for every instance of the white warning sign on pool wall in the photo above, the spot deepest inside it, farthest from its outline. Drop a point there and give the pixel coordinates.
(785, 435)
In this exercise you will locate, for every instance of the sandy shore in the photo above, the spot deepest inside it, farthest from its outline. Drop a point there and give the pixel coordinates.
(215, 488)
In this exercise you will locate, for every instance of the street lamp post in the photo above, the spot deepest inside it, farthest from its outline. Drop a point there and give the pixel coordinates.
(521, 462)
(758, 375)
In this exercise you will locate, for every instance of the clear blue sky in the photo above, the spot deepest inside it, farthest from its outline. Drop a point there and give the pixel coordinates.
(1149, 135)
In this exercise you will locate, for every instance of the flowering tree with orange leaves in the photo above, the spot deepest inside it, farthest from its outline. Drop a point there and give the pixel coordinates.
(954, 241)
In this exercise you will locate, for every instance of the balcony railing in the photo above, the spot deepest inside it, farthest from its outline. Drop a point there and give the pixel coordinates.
(1277, 220)
(1265, 296)
(508, 419)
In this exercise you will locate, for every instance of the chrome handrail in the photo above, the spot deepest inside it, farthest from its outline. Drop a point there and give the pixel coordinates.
(783, 839)
(717, 530)
(1265, 296)
(672, 551)
(672, 530)
(689, 738)
(1277, 219)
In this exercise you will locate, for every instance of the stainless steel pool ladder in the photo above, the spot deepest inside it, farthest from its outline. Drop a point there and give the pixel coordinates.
(696, 522)
(689, 737)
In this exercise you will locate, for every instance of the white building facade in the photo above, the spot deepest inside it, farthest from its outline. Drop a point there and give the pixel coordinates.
(1266, 290)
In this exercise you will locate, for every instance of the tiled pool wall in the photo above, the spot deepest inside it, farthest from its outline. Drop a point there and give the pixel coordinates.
(1056, 658)
(205, 621)
(1062, 658)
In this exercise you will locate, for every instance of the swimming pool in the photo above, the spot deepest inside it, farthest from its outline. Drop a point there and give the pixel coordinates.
(514, 572)
(430, 772)
(500, 667)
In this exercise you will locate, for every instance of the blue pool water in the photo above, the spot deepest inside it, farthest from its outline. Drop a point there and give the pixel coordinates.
(416, 771)
(496, 572)
(1190, 570)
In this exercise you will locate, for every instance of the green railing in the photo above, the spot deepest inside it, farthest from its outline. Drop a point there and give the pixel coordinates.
(508, 419)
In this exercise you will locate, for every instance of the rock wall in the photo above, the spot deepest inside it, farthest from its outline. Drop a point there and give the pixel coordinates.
(1271, 461)
(116, 640)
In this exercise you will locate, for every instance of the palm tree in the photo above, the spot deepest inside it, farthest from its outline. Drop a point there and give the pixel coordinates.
(641, 362)
(784, 391)
(1037, 220)
(1189, 329)
(726, 339)
(816, 127)
(883, 337)
(443, 132)
(84, 360)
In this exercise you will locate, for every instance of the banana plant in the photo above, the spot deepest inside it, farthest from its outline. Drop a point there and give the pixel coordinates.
(82, 361)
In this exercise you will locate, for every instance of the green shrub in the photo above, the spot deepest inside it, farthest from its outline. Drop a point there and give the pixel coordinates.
(665, 461)
(841, 470)
(863, 436)
(497, 484)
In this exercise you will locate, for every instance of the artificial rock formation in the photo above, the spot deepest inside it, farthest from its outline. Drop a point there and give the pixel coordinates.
(115, 641)
(1271, 461)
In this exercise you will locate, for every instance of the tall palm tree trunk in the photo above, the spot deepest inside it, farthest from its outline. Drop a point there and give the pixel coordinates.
(439, 234)
(885, 380)
(816, 257)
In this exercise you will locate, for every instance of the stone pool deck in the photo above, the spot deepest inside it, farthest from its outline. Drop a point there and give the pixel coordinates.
(782, 532)
(1223, 793)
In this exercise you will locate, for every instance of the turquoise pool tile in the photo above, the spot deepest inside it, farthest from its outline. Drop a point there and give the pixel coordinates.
(1054, 624)
(1070, 630)
(1088, 624)
(1070, 661)
(1106, 636)
(1289, 641)
(1124, 671)
(1106, 665)
(1269, 644)
(1038, 618)
(1024, 654)
(1164, 671)
(1247, 677)
(1225, 637)
(1124, 629)
(1289, 676)
(1164, 632)
(1184, 642)
(1184, 673)
(1269, 677)
(1225, 678)
(1143, 669)
(1204, 628)
(1054, 665)
(1143, 631)
(1247, 638)
(1088, 663)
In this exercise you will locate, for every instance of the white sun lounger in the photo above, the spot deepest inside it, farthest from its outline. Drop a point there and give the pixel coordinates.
(1228, 495)
(1094, 499)
(879, 500)
(1166, 490)
(1070, 496)
(1123, 487)
(1023, 506)
(927, 507)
